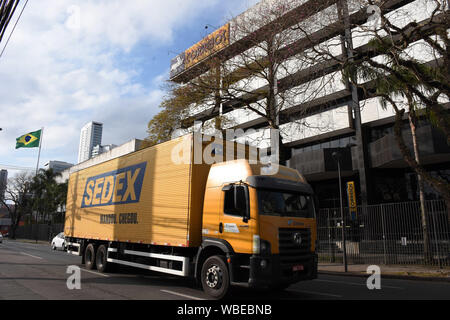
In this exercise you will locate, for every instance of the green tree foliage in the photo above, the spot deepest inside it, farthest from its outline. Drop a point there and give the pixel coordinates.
(174, 113)
(18, 199)
(413, 88)
(41, 194)
(49, 196)
(162, 125)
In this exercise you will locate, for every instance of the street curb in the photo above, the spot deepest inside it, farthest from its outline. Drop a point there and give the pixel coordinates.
(386, 276)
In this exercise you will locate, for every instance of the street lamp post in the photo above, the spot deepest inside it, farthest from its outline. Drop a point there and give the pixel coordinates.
(337, 155)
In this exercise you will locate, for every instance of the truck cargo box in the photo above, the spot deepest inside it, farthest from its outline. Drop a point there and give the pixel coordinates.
(143, 197)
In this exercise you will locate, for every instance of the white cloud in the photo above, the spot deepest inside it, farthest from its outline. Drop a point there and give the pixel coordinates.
(61, 70)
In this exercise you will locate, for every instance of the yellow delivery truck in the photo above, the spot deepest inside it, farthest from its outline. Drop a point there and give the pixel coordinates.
(169, 208)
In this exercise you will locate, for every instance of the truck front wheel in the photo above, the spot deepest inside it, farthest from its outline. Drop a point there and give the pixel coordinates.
(215, 277)
(89, 257)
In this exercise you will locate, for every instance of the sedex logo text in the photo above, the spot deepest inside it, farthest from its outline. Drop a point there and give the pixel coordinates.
(115, 187)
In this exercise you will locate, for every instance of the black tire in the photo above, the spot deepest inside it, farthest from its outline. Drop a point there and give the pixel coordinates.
(100, 259)
(89, 257)
(215, 277)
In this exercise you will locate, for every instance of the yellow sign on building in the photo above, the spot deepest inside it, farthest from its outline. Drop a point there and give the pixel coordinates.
(351, 196)
(214, 42)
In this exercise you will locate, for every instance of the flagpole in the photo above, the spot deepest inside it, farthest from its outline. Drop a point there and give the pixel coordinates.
(39, 153)
(37, 168)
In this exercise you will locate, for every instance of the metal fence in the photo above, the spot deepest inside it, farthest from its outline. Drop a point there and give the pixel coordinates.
(386, 234)
(43, 232)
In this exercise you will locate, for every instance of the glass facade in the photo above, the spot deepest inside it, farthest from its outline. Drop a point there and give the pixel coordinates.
(386, 184)
(334, 143)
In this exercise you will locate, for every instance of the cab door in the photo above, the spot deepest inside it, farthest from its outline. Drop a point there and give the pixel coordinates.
(236, 226)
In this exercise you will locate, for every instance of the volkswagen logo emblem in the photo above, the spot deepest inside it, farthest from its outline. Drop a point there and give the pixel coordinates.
(297, 238)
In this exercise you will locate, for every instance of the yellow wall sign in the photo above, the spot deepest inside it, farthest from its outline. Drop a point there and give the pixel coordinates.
(214, 42)
(351, 196)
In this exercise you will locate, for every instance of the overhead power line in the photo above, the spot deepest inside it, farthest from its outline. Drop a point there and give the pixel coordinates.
(7, 8)
(15, 24)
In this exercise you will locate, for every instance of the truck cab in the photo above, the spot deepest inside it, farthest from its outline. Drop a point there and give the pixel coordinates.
(262, 218)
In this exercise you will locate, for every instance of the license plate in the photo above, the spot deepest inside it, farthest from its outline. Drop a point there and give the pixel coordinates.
(299, 267)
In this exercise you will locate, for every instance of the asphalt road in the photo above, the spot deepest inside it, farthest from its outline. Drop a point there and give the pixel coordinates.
(34, 271)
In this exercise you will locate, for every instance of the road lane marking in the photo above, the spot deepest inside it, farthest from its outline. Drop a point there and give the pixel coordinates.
(319, 293)
(182, 295)
(27, 254)
(355, 284)
(97, 273)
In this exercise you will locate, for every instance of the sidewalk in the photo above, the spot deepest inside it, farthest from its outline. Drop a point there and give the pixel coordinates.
(27, 241)
(416, 272)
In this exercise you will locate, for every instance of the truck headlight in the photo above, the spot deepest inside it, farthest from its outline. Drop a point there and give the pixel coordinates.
(261, 246)
(256, 244)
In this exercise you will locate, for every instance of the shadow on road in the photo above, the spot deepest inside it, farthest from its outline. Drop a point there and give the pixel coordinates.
(131, 276)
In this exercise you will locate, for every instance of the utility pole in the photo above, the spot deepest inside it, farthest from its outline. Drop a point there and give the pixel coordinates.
(337, 156)
(347, 49)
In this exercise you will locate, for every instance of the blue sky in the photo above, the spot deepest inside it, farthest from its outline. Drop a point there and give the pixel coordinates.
(71, 62)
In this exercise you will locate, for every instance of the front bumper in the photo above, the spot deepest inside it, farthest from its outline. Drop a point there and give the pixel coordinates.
(278, 272)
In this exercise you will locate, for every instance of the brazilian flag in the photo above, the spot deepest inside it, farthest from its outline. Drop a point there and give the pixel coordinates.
(29, 140)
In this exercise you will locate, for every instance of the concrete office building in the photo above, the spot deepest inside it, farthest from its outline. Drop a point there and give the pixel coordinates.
(99, 149)
(324, 114)
(58, 166)
(91, 135)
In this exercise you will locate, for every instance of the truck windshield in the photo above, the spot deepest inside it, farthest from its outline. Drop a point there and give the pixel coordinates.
(285, 204)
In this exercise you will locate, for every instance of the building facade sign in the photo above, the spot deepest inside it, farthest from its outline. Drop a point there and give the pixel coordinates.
(214, 42)
(351, 194)
(177, 65)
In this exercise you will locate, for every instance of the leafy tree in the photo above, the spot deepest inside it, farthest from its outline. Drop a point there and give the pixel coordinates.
(18, 199)
(412, 87)
(48, 195)
(163, 124)
(263, 77)
(61, 199)
(389, 67)
(174, 114)
(259, 75)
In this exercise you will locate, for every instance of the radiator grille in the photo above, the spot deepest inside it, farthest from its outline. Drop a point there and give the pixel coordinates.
(290, 250)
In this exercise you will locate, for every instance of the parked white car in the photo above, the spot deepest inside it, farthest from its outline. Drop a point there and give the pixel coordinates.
(59, 242)
(1, 237)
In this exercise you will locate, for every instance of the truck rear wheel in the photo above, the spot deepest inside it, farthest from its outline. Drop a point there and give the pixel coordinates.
(89, 257)
(100, 259)
(215, 277)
